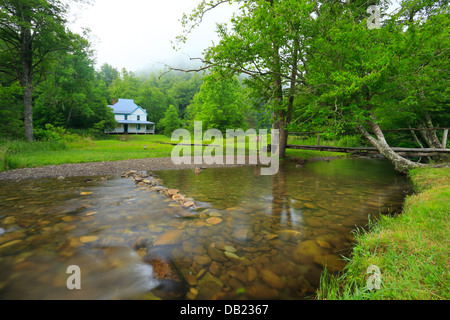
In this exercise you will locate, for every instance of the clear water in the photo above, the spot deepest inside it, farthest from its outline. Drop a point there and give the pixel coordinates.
(252, 237)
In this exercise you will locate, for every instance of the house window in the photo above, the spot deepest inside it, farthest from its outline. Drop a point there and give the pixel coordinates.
(138, 126)
(138, 118)
(126, 117)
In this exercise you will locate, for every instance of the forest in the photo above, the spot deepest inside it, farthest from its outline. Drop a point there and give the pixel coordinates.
(295, 66)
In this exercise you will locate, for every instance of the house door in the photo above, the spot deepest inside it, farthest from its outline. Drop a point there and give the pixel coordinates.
(125, 128)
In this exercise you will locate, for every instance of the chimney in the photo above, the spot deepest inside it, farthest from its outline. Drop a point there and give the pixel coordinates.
(114, 102)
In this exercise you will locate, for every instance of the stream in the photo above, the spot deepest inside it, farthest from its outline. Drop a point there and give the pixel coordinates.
(249, 236)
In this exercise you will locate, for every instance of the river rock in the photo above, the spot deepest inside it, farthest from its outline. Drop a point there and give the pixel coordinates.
(87, 239)
(332, 262)
(232, 256)
(68, 218)
(9, 220)
(272, 279)
(314, 222)
(192, 294)
(240, 234)
(323, 244)
(10, 243)
(171, 284)
(230, 249)
(202, 260)
(270, 236)
(208, 286)
(177, 197)
(214, 268)
(214, 220)
(172, 192)
(216, 254)
(2, 231)
(289, 235)
(252, 274)
(188, 204)
(169, 238)
(191, 279)
(261, 292)
(11, 236)
(192, 247)
(310, 205)
(306, 251)
(215, 214)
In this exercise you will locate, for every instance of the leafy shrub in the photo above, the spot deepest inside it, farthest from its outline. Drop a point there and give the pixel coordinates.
(7, 161)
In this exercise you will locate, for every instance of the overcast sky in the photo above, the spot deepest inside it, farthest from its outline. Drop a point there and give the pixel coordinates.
(137, 34)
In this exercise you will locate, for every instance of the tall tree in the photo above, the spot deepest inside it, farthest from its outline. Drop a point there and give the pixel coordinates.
(266, 42)
(31, 30)
(171, 121)
(108, 74)
(361, 76)
(220, 104)
(72, 96)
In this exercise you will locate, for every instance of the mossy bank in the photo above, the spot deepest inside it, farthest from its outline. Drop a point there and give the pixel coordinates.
(411, 250)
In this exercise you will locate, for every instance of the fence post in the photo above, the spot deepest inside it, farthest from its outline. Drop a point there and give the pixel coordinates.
(318, 139)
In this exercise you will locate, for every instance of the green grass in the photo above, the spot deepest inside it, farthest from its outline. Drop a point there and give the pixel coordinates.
(345, 141)
(20, 154)
(411, 249)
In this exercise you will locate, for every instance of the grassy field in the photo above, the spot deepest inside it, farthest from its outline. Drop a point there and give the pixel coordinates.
(411, 250)
(20, 154)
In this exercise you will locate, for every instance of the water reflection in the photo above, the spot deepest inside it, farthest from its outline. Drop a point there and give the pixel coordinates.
(253, 237)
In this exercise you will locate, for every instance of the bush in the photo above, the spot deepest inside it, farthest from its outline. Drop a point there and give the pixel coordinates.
(7, 161)
(52, 133)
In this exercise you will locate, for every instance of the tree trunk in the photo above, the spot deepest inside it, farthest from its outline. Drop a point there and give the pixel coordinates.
(429, 135)
(401, 164)
(26, 80)
(279, 114)
(28, 111)
(280, 125)
(432, 134)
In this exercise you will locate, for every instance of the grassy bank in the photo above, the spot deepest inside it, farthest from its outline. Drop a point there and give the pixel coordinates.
(21, 154)
(411, 249)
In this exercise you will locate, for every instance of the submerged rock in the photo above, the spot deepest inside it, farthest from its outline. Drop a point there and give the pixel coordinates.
(213, 220)
(171, 284)
(272, 279)
(261, 292)
(216, 254)
(169, 238)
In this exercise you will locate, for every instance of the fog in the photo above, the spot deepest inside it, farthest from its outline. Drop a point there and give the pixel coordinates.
(139, 34)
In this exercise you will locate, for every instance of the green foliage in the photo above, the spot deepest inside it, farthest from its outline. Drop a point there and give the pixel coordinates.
(52, 133)
(396, 74)
(31, 32)
(72, 96)
(11, 111)
(108, 74)
(221, 104)
(171, 121)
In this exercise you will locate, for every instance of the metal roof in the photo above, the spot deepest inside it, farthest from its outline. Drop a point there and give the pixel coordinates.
(125, 106)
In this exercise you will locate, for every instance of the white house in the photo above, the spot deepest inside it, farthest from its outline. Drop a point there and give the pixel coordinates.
(131, 118)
